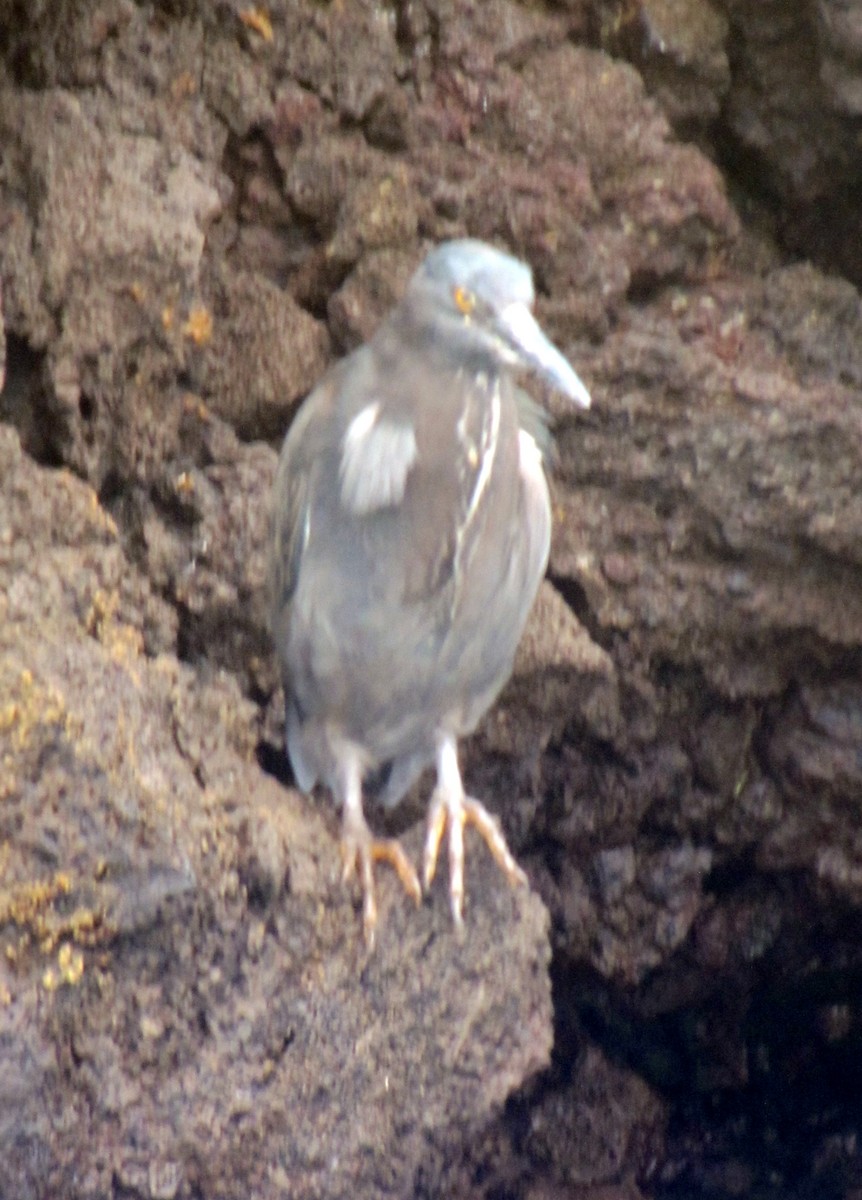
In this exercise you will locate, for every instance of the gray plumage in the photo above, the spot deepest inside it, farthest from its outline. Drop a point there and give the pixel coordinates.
(411, 532)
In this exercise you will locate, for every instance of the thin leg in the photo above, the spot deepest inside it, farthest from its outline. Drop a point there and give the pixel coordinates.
(451, 808)
(360, 849)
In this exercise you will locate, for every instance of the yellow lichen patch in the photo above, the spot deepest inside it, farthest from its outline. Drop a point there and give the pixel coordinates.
(168, 317)
(258, 20)
(83, 925)
(71, 964)
(30, 908)
(123, 642)
(30, 706)
(9, 716)
(26, 904)
(103, 610)
(69, 969)
(199, 327)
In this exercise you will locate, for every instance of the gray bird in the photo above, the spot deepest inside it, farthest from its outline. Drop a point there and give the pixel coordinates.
(411, 532)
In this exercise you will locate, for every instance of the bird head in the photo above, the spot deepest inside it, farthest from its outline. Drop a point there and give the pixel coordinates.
(478, 301)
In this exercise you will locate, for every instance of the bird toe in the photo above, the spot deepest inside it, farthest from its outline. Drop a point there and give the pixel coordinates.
(360, 851)
(449, 813)
(488, 826)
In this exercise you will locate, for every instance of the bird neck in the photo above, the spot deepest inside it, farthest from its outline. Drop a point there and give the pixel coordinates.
(437, 343)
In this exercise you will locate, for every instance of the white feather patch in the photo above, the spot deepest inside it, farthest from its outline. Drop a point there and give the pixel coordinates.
(538, 502)
(481, 455)
(484, 454)
(529, 457)
(376, 459)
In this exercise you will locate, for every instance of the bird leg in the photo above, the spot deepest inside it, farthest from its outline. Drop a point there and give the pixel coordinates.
(360, 850)
(451, 807)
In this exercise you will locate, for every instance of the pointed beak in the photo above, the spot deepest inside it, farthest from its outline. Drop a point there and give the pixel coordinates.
(531, 348)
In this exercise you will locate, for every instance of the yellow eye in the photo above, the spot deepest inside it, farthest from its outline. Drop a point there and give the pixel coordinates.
(465, 301)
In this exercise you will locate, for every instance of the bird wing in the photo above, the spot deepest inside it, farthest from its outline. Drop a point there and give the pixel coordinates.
(533, 420)
(411, 479)
(293, 493)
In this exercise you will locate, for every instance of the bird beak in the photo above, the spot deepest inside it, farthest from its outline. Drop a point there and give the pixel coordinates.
(530, 347)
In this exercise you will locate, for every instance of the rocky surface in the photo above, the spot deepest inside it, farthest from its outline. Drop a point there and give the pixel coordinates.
(200, 207)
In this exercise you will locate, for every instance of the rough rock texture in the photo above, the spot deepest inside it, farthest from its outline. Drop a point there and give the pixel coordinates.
(200, 206)
(182, 972)
(773, 88)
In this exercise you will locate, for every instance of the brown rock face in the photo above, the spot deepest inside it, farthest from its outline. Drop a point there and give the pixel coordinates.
(200, 207)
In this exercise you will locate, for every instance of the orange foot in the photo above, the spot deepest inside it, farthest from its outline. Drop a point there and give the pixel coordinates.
(451, 807)
(359, 851)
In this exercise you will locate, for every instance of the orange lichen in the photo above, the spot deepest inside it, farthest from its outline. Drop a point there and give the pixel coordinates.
(123, 642)
(199, 326)
(184, 85)
(258, 20)
(194, 404)
(184, 483)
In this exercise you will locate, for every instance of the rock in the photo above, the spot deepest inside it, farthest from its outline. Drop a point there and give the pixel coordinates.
(202, 205)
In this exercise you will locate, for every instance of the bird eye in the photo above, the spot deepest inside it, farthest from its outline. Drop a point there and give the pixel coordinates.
(465, 301)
